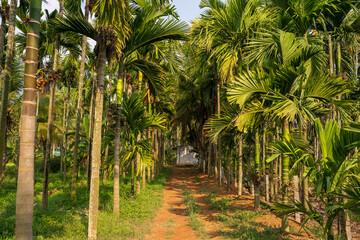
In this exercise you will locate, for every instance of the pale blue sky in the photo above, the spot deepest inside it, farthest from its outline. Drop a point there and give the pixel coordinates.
(187, 9)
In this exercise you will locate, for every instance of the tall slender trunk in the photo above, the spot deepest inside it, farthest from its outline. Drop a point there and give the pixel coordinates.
(8, 62)
(228, 172)
(138, 168)
(25, 181)
(116, 206)
(47, 149)
(96, 150)
(256, 177)
(116, 202)
(240, 178)
(331, 58)
(91, 126)
(209, 160)
(79, 105)
(218, 149)
(356, 62)
(3, 161)
(296, 196)
(143, 177)
(104, 167)
(105, 171)
(63, 140)
(2, 43)
(264, 153)
(45, 193)
(66, 131)
(285, 176)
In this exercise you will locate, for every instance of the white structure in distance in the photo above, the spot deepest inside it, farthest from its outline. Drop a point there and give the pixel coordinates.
(185, 157)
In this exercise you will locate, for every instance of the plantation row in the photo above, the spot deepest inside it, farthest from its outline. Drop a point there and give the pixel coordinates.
(266, 92)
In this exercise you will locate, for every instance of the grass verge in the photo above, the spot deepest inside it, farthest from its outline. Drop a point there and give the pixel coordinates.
(66, 218)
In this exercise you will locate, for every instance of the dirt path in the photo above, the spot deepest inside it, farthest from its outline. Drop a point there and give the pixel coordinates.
(171, 221)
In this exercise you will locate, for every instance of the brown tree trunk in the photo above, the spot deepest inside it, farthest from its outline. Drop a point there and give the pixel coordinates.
(7, 73)
(91, 125)
(96, 150)
(296, 196)
(45, 193)
(2, 42)
(66, 132)
(240, 178)
(79, 107)
(138, 169)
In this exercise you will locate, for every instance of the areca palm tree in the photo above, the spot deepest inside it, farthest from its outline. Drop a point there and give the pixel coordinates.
(109, 33)
(25, 182)
(8, 63)
(51, 116)
(293, 85)
(148, 27)
(79, 103)
(331, 175)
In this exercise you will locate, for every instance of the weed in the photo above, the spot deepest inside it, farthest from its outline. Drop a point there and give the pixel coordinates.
(242, 226)
(190, 202)
(192, 210)
(221, 204)
(170, 223)
(196, 179)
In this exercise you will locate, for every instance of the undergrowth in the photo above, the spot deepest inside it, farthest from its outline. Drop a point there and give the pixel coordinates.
(241, 225)
(193, 210)
(218, 204)
(66, 218)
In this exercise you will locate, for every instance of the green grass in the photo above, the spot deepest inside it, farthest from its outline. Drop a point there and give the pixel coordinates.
(67, 218)
(222, 204)
(242, 226)
(193, 210)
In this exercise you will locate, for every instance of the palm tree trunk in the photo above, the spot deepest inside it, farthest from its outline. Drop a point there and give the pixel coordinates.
(356, 62)
(79, 105)
(47, 149)
(8, 62)
(66, 131)
(331, 58)
(143, 177)
(63, 140)
(228, 173)
(2, 42)
(296, 196)
(218, 149)
(116, 202)
(96, 149)
(264, 152)
(91, 124)
(240, 178)
(104, 167)
(138, 169)
(25, 181)
(50, 119)
(257, 171)
(285, 176)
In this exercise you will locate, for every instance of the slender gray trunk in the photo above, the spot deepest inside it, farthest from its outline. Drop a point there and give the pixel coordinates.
(79, 107)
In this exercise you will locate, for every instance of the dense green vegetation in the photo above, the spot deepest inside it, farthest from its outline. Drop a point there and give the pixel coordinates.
(267, 92)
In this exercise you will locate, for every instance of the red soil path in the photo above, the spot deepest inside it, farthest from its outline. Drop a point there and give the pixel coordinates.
(171, 221)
